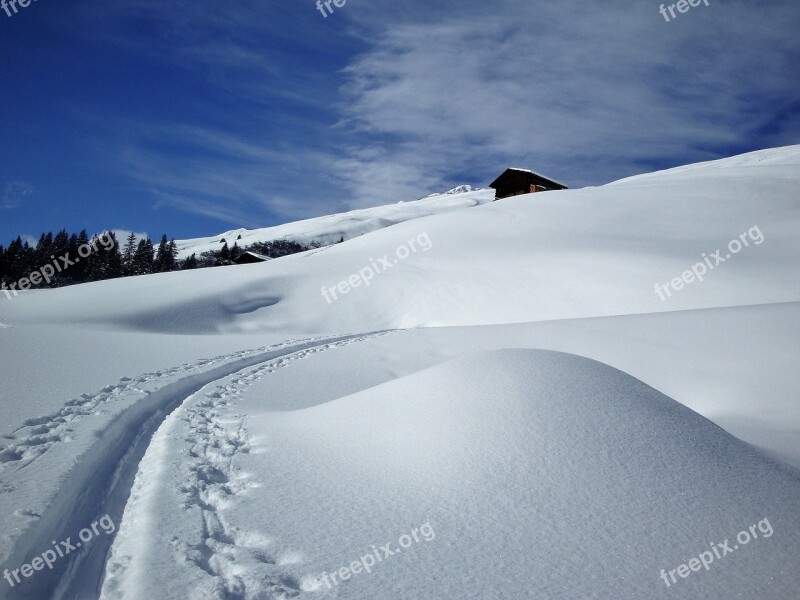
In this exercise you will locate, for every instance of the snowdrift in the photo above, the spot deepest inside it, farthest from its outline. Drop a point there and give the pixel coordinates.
(542, 474)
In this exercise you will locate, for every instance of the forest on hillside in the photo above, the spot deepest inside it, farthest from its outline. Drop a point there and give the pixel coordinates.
(70, 258)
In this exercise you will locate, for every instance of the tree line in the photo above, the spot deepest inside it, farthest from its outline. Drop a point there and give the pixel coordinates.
(113, 260)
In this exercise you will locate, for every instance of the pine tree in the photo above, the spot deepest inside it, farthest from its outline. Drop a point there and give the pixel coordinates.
(3, 266)
(128, 254)
(162, 260)
(224, 257)
(190, 263)
(43, 249)
(80, 271)
(19, 260)
(143, 258)
(113, 258)
(172, 255)
(105, 263)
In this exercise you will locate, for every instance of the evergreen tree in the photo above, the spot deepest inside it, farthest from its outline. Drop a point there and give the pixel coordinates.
(236, 252)
(162, 256)
(113, 258)
(80, 271)
(143, 258)
(105, 263)
(128, 254)
(277, 248)
(172, 255)
(60, 247)
(190, 263)
(3, 267)
(19, 258)
(224, 257)
(43, 249)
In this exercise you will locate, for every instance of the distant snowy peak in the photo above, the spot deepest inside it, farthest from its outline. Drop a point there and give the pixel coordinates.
(461, 189)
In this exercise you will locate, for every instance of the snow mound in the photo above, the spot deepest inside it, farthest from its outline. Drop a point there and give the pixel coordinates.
(549, 475)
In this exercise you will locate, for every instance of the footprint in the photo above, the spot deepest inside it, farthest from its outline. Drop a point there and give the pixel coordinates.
(8, 455)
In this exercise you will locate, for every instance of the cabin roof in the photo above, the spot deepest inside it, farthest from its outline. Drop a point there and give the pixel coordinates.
(255, 255)
(508, 171)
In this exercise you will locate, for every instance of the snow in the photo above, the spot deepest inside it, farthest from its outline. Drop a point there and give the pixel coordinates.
(459, 189)
(584, 459)
(517, 385)
(330, 229)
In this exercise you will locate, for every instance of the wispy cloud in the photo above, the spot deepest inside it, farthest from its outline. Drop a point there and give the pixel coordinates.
(446, 93)
(222, 176)
(585, 92)
(15, 193)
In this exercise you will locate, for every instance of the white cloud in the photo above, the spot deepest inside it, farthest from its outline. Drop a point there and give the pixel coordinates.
(451, 92)
(15, 193)
(32, 241)
(585, 92)
(220, 174)
(122, 235)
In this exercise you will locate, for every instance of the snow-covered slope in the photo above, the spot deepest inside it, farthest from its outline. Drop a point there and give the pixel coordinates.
(534, 470)
(330, 229)
(784, 160)
(510, 378)
(557, 255)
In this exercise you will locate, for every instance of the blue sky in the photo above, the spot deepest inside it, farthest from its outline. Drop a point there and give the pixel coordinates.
(193, 117)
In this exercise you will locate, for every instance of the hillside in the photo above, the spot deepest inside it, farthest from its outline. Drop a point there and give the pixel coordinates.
(534, 387)
(332, 228)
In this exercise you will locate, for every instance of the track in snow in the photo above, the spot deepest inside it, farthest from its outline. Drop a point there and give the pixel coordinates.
(37, 435)
(101, 482)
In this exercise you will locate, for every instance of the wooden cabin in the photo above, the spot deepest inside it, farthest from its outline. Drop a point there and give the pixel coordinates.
(514, 182)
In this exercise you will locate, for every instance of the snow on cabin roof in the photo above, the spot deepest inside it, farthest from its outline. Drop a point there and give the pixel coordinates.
(534, 173)
(257, 255)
